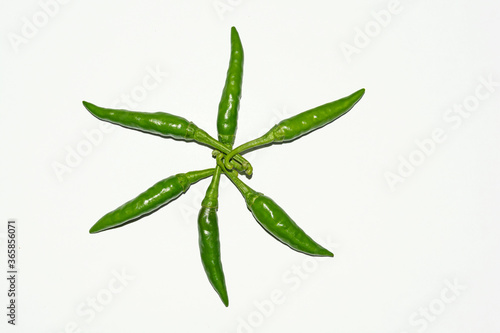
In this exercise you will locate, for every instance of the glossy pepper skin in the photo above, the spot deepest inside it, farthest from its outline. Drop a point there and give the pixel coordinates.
(164, 124)
(301, 124)
(208, 231)
(153, 198)
(275, 220)
(307, 121)
(227, 117)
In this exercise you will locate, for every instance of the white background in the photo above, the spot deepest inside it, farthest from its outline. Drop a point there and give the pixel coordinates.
(399, 245)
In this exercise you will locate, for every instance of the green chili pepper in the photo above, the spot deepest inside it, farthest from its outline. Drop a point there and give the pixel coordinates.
(301, 124)
(227, 119)
(208, 231)
(267, 212)
(153, 198)
(231, 95)
(164, 124)
(275, 220)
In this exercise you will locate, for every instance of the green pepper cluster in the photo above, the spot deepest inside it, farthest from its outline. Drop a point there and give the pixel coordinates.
(229, 162)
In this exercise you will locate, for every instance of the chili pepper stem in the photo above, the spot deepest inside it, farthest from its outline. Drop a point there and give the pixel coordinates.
(242, 187)
(263, 140)
(211, 197)
(202, 136)
(194, 176)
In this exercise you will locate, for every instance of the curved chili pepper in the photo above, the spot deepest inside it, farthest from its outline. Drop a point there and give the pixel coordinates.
(164, 124)
(275, 220)
(153, 198)
(227, 119)
(231, 95)
(208, 231)
(301, 124)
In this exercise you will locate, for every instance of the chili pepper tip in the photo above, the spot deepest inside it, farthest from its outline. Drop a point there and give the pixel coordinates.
(89, 106)
(93, 230)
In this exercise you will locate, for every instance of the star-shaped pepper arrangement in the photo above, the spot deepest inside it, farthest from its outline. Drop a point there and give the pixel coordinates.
(229, 162)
